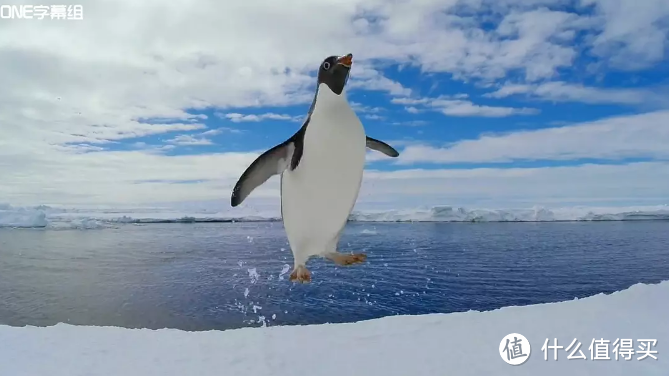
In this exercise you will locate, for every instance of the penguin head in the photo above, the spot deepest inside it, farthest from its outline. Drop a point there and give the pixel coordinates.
(334, 72)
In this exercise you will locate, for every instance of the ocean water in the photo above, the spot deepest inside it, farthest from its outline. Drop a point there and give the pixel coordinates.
(205, 276)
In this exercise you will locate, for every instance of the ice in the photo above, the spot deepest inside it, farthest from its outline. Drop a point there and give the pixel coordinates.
(63, 218)
(21, 217)
(466, 343)
(534, 214)
(81, 224)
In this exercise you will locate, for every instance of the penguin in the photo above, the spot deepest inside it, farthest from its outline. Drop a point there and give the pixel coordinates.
(321, 168)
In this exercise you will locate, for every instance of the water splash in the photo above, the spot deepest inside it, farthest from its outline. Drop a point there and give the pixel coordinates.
(285, 270)
(253, 274)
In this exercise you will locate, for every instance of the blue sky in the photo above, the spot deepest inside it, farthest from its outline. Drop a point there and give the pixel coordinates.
(490, 103)
(240, 129)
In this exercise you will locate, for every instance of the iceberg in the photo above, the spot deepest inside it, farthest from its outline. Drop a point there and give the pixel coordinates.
(534, 214)
(464, 343)
(22, 217)
(76, 218)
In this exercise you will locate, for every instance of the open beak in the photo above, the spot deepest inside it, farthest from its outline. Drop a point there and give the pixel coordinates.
(346, 60)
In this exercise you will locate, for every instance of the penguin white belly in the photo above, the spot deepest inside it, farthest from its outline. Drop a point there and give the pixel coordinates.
(319, 195)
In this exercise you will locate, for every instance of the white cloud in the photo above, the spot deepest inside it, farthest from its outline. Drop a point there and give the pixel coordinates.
(140, 178)
(460, 107)
(217, 131)
(132, 69)
(371, 79)
(112, 177)
(633, 34)
(565, 92)
(467, 108)
(535, 42)
(409, 100)
(81, 147)
(359, 107)
(238, 118)
(632, 184)
(635, 136)
(411, 123)
(147, 148)
(185, 139)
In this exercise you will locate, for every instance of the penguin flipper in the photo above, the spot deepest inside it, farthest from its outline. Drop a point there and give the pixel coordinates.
(382, 147)
(272, 162)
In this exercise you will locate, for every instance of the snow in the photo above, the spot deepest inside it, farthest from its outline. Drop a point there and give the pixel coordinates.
(68, 218)
(439, 344)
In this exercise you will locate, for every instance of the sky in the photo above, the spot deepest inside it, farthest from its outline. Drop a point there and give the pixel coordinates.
(491, 103)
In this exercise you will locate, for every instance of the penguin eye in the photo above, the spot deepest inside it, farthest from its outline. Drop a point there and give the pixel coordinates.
(326, 65)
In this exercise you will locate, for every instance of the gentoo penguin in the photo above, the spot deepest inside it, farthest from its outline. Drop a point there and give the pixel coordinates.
(321, 169)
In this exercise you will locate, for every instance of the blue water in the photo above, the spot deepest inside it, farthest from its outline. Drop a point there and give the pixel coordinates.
(229, 275)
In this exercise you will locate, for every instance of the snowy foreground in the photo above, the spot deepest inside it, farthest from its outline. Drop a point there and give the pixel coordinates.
(441, 344)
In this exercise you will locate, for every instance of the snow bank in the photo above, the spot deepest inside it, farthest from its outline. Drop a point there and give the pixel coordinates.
(439, 344)
(44, 216)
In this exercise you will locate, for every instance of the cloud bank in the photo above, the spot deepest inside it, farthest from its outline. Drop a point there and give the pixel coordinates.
(136, 69)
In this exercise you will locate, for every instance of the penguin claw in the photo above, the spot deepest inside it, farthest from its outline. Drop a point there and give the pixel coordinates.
(349, 259)
(300, 274)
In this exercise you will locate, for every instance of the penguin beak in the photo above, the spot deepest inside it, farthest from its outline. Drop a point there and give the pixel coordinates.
(346, 60)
